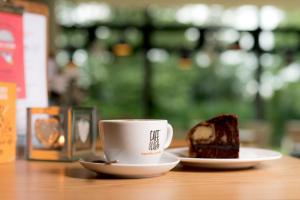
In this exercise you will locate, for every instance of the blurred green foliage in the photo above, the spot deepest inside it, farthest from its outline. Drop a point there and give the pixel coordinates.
(184, 94)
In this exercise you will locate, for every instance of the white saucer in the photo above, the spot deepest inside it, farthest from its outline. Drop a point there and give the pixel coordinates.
(167, 162)
(248, 157)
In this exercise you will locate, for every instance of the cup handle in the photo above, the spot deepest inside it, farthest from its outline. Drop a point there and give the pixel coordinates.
(169, 136)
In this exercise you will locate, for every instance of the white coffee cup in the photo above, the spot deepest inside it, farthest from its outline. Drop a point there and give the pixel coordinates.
(135, 141)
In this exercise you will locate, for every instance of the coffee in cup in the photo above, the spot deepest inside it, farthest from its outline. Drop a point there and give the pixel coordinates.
(135, 141)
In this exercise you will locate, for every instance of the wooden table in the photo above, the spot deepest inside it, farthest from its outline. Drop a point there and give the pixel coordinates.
(51, 180)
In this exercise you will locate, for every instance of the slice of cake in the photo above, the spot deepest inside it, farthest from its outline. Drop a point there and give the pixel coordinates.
(215, 138)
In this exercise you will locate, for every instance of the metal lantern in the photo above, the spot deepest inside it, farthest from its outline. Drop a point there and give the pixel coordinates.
(62, 134)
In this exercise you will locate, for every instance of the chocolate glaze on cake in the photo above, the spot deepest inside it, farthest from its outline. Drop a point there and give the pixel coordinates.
(215, 138)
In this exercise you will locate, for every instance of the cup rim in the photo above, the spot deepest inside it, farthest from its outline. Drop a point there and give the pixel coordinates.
(131, 120)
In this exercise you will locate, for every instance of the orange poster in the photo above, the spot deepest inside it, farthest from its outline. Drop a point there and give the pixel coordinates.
(11, 51)
(8, 135)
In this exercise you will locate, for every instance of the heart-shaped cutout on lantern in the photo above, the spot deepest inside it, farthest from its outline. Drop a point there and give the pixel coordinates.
(83, 127)
(47, 131)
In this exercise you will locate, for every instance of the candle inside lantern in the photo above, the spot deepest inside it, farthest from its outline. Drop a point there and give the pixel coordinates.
(51, 133)
(61, 140)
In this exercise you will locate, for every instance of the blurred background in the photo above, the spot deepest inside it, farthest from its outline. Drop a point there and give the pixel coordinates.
(182, 61)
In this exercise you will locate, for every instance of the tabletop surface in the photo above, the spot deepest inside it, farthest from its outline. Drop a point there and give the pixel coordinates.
(279, 179)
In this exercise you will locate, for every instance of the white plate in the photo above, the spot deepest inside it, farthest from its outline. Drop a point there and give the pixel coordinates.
(167, 162)
(248, 157)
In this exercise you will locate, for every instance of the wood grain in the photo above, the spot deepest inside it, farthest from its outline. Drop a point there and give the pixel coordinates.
(50, 180)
